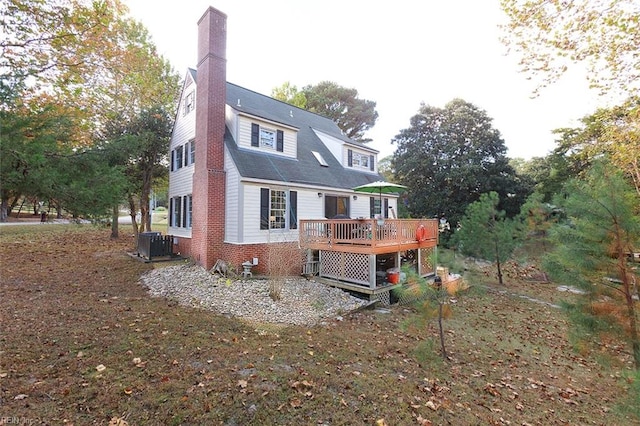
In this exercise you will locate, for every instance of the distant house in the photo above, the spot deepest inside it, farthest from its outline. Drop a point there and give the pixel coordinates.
(246, 168)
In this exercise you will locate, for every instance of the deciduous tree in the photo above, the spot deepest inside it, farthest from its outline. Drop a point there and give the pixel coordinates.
(290, 94)
(552, 35)
(611, 132)
(451, 155)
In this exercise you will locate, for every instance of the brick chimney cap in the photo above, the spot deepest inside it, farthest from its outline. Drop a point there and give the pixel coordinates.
(213, 10)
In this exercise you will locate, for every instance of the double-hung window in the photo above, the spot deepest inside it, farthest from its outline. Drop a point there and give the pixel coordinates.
(278, 209)
(359, 160)
(189, 103)
(266, 138)
(180, 211)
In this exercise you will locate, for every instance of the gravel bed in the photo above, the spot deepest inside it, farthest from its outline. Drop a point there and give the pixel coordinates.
(303, 302)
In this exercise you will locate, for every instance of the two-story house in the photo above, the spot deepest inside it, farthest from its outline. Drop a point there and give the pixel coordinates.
(246, 168)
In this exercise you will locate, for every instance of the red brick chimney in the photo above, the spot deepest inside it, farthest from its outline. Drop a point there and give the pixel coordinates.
(209, 179)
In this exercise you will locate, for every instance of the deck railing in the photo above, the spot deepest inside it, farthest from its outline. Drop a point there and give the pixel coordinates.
(316, 233)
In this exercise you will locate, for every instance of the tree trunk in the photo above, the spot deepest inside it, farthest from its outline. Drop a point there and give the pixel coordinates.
(132, 212)
(58, 210)
(115, 213)
(4, 215)
(145, 211)
(441, 329)
(498, 264)
(626, 276)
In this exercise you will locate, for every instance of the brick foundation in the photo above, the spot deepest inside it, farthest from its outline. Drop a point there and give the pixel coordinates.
(288, 259)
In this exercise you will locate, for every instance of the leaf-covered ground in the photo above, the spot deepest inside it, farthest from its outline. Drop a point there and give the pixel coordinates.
(81, 343)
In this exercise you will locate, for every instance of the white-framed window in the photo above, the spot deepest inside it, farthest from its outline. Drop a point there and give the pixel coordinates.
(190, 152)
(188, 211)
(181, 211)
(267, 138)
(175, 211)
(189, 103)
(179, 155)
(278, 209)
(359, 160)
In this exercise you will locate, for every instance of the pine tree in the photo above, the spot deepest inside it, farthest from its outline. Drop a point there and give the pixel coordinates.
(486, 233)
(592, 247)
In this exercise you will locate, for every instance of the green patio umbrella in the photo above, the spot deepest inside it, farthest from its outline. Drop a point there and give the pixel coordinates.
(380, 187)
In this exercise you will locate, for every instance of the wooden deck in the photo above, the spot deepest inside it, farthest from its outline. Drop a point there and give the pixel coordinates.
(357, 254)
(368, 236)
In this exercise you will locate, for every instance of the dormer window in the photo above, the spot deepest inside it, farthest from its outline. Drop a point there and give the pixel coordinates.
(358, 160)
(266, 138)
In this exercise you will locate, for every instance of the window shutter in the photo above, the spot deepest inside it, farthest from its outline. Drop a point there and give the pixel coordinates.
(173, 159)
(280, 140)
(293, 209)
(386, 208)
(255, 134)
(186, 153)
(264, 208)
(350, 158)
(372, 207)
(371, 165)
(171, 210)
(184, 212)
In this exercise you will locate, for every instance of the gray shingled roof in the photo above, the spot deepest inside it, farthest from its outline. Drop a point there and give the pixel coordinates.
(305, 169)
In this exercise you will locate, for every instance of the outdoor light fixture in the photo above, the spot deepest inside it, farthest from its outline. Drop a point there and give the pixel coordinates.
(319, 194)
(355, 197)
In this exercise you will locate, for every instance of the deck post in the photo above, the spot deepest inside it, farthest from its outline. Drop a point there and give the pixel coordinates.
(372, 271)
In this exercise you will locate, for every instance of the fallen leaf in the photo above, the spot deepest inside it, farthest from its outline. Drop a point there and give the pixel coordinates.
(430, 404)
(117, 421)
(100, 368)
(295, 403)
(423, 422)
(128, 391)
(20, 396)
(242, 383)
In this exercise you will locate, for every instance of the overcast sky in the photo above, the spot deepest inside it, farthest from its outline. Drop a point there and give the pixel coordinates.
(397, 54)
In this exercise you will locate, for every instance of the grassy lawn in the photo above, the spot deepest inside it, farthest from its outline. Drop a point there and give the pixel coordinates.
(81, 343)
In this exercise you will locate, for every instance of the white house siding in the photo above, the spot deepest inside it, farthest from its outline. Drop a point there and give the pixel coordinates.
(233, 201)
(231, 121)
(309, 206)
(345, 159)
(244, 136)
(181, 180)
(360, 207)
(340, 151)
(334, 145)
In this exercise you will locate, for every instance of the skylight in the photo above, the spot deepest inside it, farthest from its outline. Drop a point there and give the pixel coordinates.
(320, 158)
